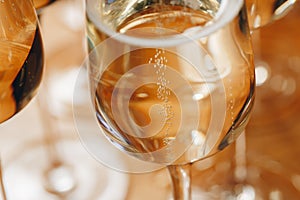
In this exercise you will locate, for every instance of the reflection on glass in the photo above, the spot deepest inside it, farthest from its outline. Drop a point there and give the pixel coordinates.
(159, 95)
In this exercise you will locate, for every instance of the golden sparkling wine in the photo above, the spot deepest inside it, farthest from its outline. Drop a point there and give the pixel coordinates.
(146, 97)
(41, 3)
(21, 69)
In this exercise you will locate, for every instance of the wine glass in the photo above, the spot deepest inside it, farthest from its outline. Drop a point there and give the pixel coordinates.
(21, 58)
(172, 82)
(57, 172)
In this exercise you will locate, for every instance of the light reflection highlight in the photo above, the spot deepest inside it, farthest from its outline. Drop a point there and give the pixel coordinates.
(262, 74)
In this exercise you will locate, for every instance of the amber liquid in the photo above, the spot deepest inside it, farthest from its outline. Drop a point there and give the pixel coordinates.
(20, 83)
(140, 102)
(38, 4)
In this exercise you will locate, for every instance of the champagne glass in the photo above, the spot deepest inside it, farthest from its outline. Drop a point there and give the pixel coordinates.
(172, 81)
(21, 59)
(57, 172)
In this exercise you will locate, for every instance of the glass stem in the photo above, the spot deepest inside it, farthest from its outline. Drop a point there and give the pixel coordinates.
(49, 134)
(2, 189)
(240, 173)
(181, 181)
(58, 170)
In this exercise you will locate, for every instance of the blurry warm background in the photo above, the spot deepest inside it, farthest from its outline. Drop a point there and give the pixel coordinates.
(263, 164)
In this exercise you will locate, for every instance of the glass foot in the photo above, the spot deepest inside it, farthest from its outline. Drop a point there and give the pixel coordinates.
(29, 175)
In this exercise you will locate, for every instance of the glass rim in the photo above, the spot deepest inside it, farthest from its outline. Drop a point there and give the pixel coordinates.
(225, 14)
